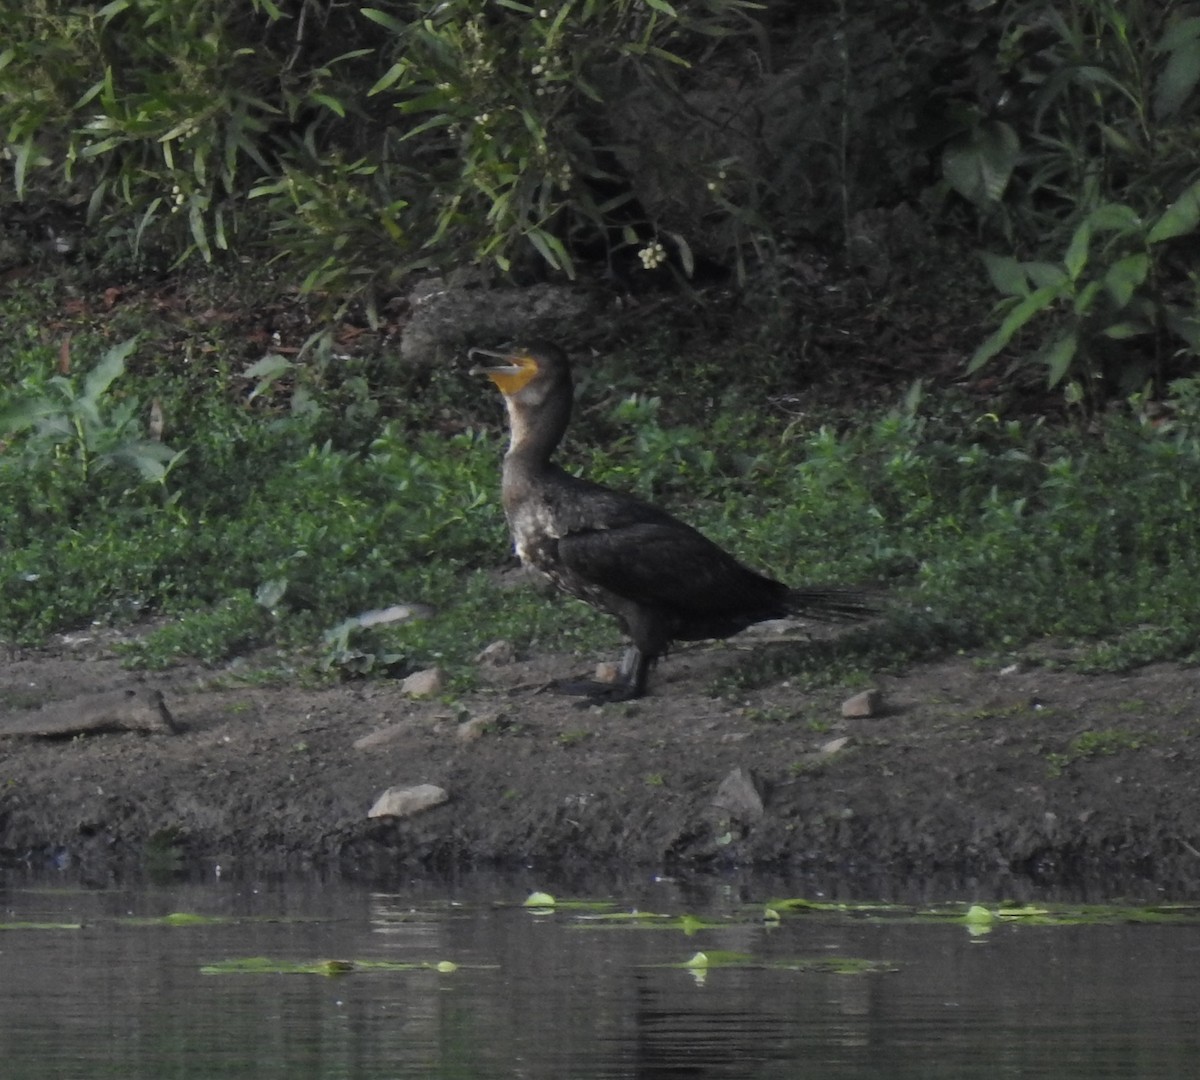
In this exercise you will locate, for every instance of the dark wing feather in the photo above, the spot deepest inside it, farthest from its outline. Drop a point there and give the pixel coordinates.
(663, 563)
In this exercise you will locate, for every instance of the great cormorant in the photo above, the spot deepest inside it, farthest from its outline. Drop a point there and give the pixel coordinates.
(663, 580)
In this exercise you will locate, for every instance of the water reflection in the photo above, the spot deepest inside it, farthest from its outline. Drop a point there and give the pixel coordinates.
(554, 996)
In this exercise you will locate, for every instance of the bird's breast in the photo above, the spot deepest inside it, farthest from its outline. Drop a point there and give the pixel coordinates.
(535, 534)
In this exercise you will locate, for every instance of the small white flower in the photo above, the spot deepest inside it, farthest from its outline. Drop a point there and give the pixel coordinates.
(544, 13)
(652, 255)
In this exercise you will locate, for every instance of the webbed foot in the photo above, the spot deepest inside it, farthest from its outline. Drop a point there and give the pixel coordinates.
(593, 692)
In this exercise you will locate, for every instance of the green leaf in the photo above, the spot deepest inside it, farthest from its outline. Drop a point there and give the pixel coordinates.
(1179, 34)
(389, 77)
(1045, 274)
(1122, 330)
(147, 217)
(21, 153)
(664, 7)
(331, 103)
(1116, 217)
(1186, 327)
(1085, 296)
(199, 232)
(1180, 218)
(388, 22)
(686, 260)
(979, 164)
(1178, 79)
(1058, 357)
(1124, 276)
(1077, 250)
(109, 11)
(1006, 273)
(111, 366)
(1119, 141)
(101, 147)
(551, 249)
(1034, 303)
(22, 414)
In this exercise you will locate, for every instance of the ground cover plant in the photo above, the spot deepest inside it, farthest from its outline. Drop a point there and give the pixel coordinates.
(252, 527)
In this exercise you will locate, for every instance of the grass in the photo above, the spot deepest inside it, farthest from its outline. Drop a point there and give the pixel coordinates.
(286, 516)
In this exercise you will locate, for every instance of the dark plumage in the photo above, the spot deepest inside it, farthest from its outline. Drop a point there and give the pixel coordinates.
(663, 580)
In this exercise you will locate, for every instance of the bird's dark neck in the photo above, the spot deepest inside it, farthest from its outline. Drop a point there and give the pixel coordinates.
(535, 434)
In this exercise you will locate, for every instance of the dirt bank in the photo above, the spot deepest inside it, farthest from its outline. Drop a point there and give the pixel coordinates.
(971, 769)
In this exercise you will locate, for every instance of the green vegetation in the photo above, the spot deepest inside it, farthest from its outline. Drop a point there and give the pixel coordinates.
(1094, 744)
(276, 527)
(343, 138)
(359, 144)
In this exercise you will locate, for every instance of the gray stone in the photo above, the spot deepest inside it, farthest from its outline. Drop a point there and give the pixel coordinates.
(738, 796)
(470, 731)
(447, 317)
(497, 654)
(119, 710)
(423, 683)
(384, 736)
(406, 801)
(863, 705)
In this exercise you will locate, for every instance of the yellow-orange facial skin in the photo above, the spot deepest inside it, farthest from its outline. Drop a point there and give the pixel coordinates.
(514, 375)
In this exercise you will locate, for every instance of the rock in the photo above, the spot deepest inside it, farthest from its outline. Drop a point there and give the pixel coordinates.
(447, 316)
(119, 710)
(497, 654)
(406, 801)
(423, 683)
(384, 736)
(738, 796)
(395, 613)
(866, 704)
(833, 746)
(471, 730)
(607, 671)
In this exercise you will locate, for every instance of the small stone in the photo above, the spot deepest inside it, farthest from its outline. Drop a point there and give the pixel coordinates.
(406, 801)
(423, 683)
(395, 613)
(472, 730)
(384, 736)
(865, 704)
(738, 796)
(833, 746)
(497, 654)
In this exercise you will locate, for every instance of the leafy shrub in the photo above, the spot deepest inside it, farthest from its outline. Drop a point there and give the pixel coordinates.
(359, 136)
(1091, 161)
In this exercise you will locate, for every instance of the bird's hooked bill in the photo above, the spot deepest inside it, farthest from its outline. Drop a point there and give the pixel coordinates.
(506, 368)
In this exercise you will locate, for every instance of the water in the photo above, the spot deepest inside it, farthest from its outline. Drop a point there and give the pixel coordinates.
(563, 997)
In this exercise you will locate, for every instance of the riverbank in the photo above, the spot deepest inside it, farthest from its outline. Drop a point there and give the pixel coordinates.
(971, 767)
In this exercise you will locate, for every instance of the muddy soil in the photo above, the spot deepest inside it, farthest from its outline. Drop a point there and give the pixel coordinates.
(971, 769)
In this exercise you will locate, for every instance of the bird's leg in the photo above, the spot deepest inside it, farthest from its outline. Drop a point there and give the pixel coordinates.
(630, 682)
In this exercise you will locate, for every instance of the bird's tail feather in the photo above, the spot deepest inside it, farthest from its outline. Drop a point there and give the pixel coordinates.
(834, 603)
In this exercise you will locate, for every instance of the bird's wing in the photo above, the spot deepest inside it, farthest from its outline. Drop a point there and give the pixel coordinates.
(661, 563)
